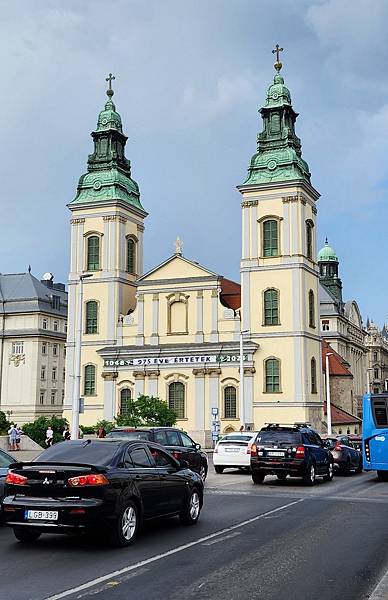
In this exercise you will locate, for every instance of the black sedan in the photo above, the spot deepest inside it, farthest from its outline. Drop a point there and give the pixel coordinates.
(100, 487)
(5, 460)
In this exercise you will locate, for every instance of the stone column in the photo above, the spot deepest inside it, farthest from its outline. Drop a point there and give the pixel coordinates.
(140, 324)
(109, 395)
(152, 386)
(248, 395)
(199, 399)
(199, 333)
(154, 339)
(139, 383)
(214, 320)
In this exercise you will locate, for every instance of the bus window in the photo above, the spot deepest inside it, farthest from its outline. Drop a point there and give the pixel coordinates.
(380, 412)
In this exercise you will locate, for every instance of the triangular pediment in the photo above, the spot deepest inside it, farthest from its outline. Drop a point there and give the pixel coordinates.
(177, 267)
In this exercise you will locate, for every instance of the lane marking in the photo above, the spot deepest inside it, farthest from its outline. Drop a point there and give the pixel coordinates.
(157, 557)
(381, 590)
(221, 539)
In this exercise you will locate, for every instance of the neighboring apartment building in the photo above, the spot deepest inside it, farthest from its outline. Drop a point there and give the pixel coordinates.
(33, 321)
(342, 327)
(377, 344)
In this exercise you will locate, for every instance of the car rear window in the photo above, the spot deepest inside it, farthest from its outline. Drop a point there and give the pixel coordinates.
(94, 453)
(331, 442)
(286, 437)
(237, 438)
(130, 435)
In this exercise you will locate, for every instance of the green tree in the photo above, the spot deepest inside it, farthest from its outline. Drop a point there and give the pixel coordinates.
(4, 423)
(147, 410)
(36, 430)
(107, 425)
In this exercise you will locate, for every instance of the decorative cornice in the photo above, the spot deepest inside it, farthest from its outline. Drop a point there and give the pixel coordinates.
(109, 376)
(140, 227)
(77, 221)
(199, 372)
(248, 203)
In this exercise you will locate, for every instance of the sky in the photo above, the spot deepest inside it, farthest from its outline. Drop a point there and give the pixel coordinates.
(190, 78)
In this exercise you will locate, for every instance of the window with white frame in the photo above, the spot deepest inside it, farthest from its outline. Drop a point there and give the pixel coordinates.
(325, 325)
(17, 347)
(43, 372)
(54, 374)
(55, 349)
(53, 397)
(55, 326)
(44, 347)
(44, 324)
(41, 397)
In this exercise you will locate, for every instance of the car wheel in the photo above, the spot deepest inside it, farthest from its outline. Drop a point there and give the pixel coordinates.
(282, 476)
(26, 535)
(190, 514)
(309, 475)
(330, 473)
(257, 477)
(203, 473)
(218, 469)
(360, 466)
(125, 526)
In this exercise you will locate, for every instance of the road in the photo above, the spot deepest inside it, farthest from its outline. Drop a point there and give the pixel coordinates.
(278, 541)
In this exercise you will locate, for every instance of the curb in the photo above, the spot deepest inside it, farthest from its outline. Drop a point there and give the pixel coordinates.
(381, 590)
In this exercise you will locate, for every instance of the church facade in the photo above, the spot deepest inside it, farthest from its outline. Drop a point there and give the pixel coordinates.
(175, 331)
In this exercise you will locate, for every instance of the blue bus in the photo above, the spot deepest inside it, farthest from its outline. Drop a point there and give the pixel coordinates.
(375, 434)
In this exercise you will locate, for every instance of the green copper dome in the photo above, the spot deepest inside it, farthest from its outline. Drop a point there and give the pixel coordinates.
(327, 254)
(108, 177)
(279, 150)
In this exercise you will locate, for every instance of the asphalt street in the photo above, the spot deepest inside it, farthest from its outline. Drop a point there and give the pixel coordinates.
(277, 541)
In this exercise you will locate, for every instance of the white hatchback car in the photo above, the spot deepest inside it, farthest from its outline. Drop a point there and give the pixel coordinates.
(233, 450)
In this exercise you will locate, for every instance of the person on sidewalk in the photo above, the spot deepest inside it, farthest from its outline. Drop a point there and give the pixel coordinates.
(49, 437)
(66, 434)
(18, 437)
(101, 433)
(12, 432)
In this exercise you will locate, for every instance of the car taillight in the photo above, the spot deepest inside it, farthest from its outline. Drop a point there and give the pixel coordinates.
(338, 446)
(176, 454)
(253, 450)
(83, 480)
(15, 479)
(299, 452)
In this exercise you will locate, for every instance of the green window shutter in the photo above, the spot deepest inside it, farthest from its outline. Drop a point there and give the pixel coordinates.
(271, 307)
(131, 256)
(90, 380)
(125, 397)
(313, 376)
(230, 402)
(93, 262)
(270, 238)
(272, 375)
(176, 398)
(91, 317)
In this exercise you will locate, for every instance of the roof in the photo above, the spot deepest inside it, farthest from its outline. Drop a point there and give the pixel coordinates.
(327, 254)
(21, 292)
(339, 416)
(230, 294)
(337, 365)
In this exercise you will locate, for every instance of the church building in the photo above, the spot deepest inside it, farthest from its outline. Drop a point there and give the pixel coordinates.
(174, 332)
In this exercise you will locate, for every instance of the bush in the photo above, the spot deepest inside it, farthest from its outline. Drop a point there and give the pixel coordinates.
(107, 425)
(4, 423)
(88, 429)
(37, 429)
(147, 410)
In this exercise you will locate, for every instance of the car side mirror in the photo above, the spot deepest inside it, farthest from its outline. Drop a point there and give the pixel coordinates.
(197, 446)
(183, 464)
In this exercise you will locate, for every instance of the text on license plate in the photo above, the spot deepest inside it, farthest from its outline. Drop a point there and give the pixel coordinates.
(41, 515)
(232, 449)
(275, 453)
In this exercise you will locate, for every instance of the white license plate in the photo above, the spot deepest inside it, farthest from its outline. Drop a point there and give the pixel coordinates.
(232, 449)
(41, 515)
(275, 454)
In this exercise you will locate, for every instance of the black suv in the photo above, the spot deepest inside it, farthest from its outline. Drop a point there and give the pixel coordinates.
(295, 450)
(179, 444)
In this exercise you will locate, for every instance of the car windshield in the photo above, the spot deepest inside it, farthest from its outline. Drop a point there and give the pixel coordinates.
(331, 442)
(279, 437)
(5, 460)
(236, 438)
(130, 435)
(94, 453)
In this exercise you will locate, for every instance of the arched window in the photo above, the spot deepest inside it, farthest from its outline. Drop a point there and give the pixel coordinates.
(230, 402)
(91, 317)
(176, 398)
(131, 256)
(309, 239)
(90, 380)
(270, 238)
(271, 307)
(272, 375)
(313, 376)
(311, 309)
(93, 253)
(125, 397)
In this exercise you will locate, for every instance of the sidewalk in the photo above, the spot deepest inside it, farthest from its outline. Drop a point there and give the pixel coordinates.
(25, 455)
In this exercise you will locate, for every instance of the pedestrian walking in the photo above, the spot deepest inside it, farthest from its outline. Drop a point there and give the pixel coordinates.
(66, 434)
(49, 437)
(101, 433)
(12, 433)
(18, 436)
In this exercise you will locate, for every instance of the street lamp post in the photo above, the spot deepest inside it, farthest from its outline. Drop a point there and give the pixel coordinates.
(77, 361)
(328, 405)
(242, 406)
